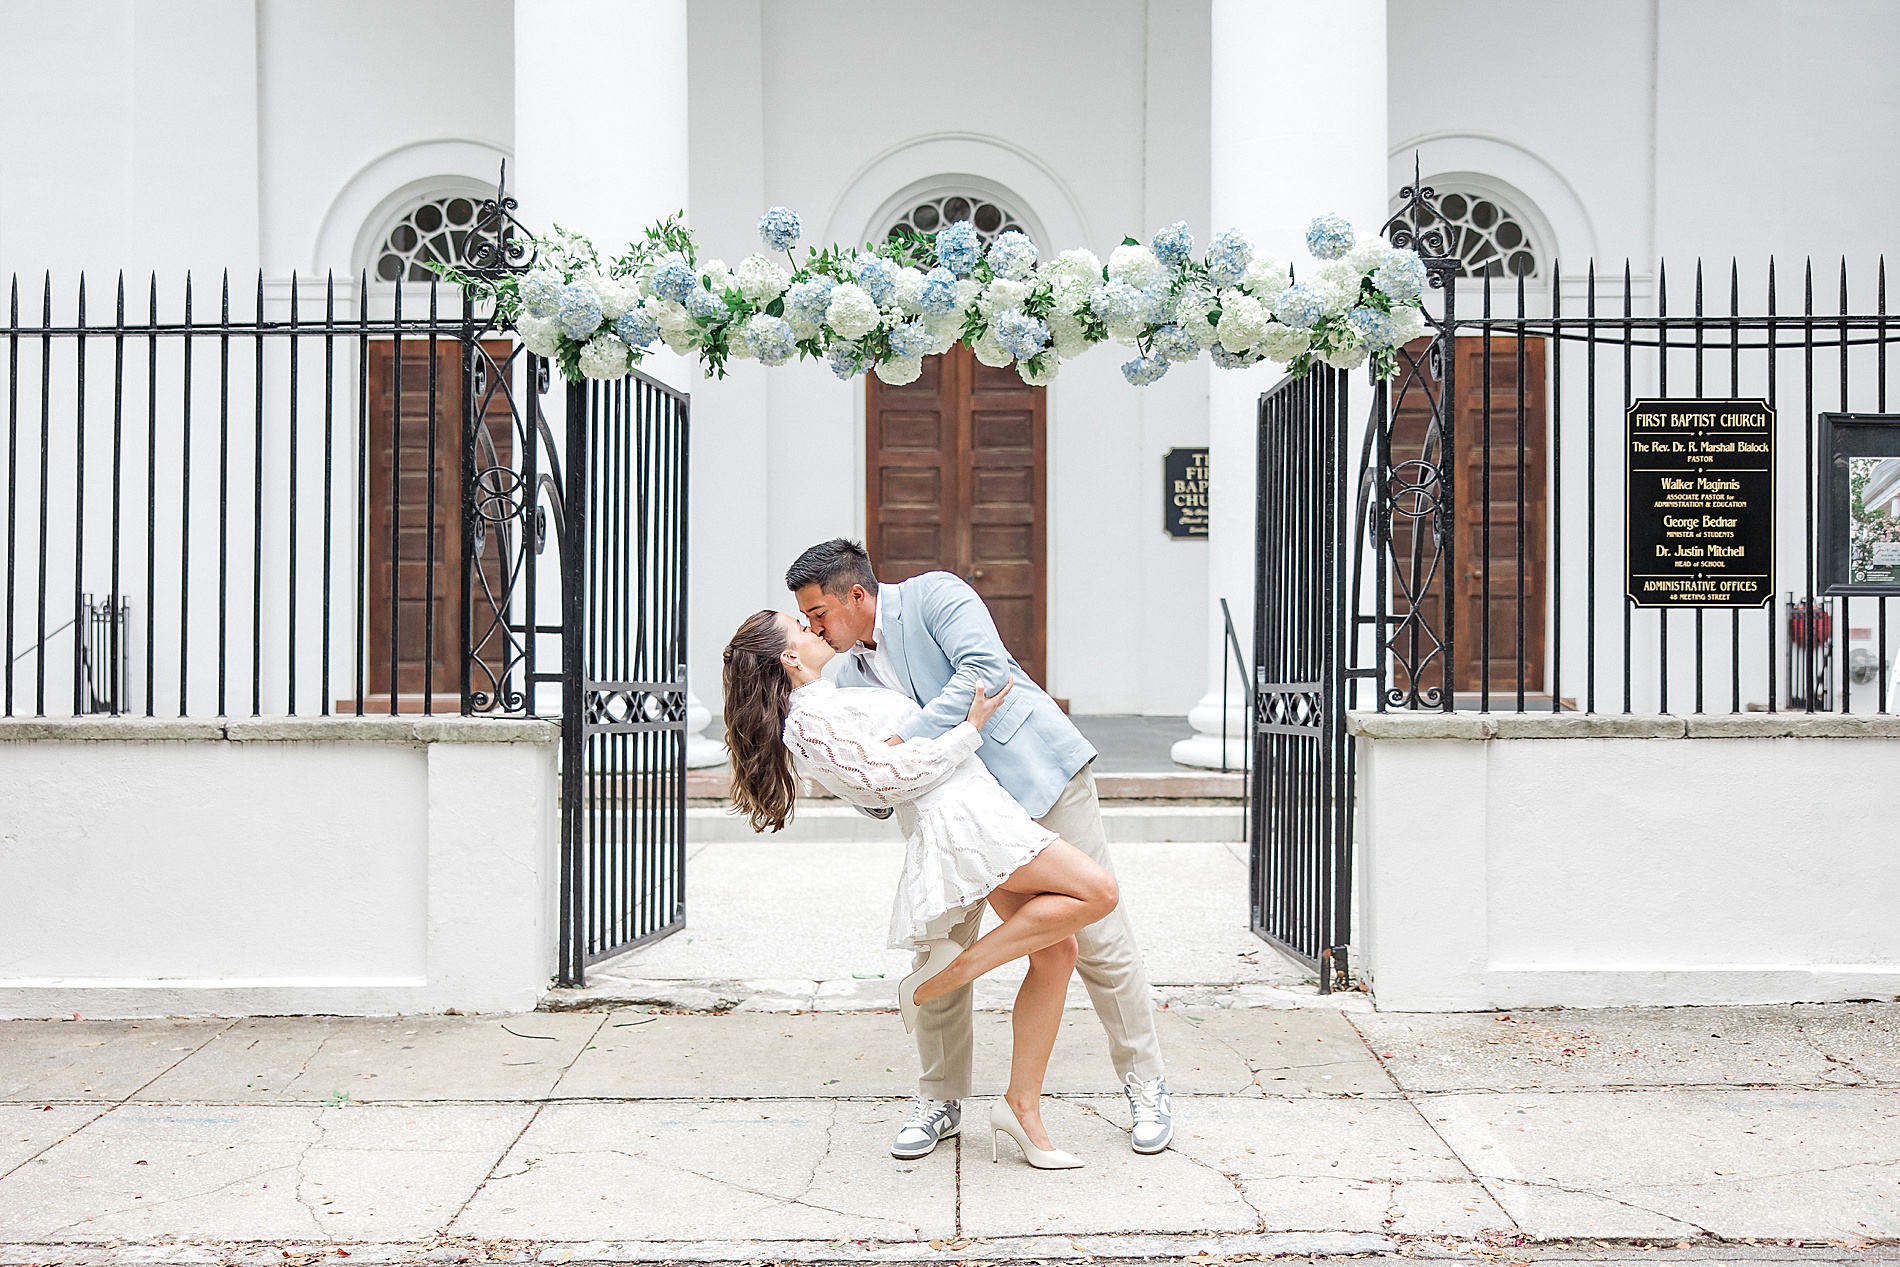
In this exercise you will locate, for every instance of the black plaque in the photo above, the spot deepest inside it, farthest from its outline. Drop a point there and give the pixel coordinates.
(1701, 503)
(1184, 494)
(1859, 483)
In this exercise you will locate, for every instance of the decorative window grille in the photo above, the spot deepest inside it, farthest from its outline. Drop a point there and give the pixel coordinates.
(989, 216)
(1491, 239)
(433, 231)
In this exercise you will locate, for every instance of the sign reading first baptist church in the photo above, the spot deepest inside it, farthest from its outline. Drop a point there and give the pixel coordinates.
(1701, 503)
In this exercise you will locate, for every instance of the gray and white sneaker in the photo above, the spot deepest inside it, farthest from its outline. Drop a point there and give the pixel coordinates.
(1154, 1115)
(929, 1124)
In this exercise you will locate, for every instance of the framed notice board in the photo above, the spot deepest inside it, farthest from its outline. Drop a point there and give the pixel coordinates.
(1859, 511)
(1700, 503)
(1184, 494)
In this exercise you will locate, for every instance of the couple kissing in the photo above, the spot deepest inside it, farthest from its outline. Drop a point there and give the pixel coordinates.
(901, 699)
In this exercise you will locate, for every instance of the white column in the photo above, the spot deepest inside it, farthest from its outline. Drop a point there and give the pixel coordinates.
(1318, 145)
(601, 148)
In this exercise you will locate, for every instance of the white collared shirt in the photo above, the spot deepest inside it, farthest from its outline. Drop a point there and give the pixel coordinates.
(877, 664)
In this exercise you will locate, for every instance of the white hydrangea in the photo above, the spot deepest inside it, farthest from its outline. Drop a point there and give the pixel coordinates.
(851, 313)
(1282, 343)
(540, 292)
(1190, 313)
(1135, 265)
(1002, 296)
(1339, 284)
(908, 292)
(900, 370)
(1267, 277)
(1065, 333)
(1078, 265)
(762, 279)
(1070, 294)
(944, 333)
(618, 297)
(676, 324)
(1039, 371)
(1243, 321)
(718, 276)
(990, 352)
(969, 290)
(540, 335)
(1347, 358)
(1367, 255)
(605, 357)
(1410, 322)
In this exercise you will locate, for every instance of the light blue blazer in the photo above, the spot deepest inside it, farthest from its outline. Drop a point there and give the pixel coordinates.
(943, 642)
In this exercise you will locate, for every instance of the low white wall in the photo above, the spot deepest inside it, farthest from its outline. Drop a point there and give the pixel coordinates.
(1546, 861)
(340, 865)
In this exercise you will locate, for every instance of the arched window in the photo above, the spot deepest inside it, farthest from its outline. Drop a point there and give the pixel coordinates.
(930, 214)
(434, 231)
(1492, 238)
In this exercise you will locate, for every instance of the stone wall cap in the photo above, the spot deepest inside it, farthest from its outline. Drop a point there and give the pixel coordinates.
(1484, 726)
(403, 730)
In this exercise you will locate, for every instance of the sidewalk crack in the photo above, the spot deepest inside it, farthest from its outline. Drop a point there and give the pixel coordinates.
(1240, 1189)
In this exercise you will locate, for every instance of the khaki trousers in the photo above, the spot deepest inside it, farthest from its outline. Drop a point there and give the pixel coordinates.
(1109, 964)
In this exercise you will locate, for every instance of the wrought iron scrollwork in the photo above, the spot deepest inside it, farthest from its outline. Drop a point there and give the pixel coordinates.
(498, 244)
(635, 706)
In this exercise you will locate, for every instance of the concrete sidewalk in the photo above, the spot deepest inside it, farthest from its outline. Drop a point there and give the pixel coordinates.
(637, 1135)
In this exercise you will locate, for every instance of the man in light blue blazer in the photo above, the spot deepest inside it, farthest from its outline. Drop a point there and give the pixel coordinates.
(932, 638)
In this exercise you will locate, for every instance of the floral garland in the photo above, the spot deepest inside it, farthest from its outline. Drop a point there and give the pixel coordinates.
(886, 307)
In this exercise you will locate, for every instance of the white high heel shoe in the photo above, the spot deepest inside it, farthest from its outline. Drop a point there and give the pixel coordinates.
(1003, 1122)
(940, 953)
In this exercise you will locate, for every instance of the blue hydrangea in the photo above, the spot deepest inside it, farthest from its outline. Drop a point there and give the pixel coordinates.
(878, 277)
(637, 328)
(1118, 303)
(807, 301)
(541, 292)
(779, 228)
(1144, 370)
(1300, 306)
(846, 359)
(909, 339)
(580, 310)
(1376, 328)
(958, 247)
(1157, 300)
(704, 305)
(1227, 257)
(770, 339)
(1021, 335)
(1329, 236)
(1172, 343)
(1401, 277)
(1173, 245)
(1012, 255)
(675, 279)
(1232, 360)
(939, 298)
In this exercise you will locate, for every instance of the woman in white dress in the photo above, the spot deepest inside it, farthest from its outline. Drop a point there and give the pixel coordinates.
(965, 838)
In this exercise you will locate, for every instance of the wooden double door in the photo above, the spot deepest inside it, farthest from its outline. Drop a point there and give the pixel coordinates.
(416, 563)
(1501, 582)
(955, 476)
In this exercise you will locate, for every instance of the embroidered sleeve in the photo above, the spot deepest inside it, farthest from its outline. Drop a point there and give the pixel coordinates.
(867, 770)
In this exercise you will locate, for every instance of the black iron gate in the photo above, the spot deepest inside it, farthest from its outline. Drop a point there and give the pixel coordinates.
(1300, 827)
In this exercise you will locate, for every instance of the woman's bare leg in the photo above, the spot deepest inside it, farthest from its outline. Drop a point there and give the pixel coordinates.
(1063, 890)
(1034, 1022)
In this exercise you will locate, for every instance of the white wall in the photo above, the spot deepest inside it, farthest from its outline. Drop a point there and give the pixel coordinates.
(203, 868)
(1592, 862)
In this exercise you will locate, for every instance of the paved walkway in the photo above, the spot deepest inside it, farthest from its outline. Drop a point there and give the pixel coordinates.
(630, 1134)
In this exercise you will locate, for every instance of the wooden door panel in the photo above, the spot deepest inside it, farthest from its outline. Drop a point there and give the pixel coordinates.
(954, 482)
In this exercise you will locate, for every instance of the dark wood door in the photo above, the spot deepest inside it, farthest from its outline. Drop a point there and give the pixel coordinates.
(955, 470)
(1501, 549)
(414, 544)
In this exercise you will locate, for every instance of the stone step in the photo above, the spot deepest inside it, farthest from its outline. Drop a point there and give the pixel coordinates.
(831, 821)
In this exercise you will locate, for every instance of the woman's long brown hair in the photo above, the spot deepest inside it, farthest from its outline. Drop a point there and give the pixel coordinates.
(758, 694)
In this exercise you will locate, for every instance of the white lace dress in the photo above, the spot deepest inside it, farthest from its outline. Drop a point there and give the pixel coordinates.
(963, 834)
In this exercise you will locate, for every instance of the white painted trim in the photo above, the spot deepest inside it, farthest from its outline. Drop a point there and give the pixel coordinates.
(370, 202)
(1520, 176)
(946, 160)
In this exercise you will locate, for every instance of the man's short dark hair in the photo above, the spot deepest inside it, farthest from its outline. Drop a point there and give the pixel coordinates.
(833, 566)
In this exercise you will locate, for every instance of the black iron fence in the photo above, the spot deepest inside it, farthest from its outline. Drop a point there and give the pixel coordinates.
(1503, 494)
(348, 499)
